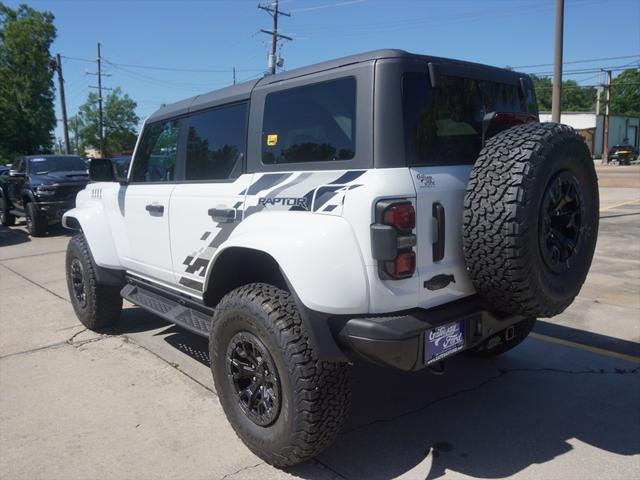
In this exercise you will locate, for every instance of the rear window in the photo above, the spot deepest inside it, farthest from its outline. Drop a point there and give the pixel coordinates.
(314, 123)
(443, 126)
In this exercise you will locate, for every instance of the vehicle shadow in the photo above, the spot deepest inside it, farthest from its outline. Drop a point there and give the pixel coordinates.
(12, 236)
(483, 418)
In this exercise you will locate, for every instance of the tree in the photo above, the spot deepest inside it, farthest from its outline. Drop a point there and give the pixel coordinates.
(575, 98)
(625, 93)
(120, 122)
(27, 115)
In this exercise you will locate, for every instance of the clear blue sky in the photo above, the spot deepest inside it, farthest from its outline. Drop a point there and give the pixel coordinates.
(216, 35)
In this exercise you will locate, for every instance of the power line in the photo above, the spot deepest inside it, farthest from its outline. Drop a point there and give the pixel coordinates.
(589, 60)
(169, 69)
(586, 70)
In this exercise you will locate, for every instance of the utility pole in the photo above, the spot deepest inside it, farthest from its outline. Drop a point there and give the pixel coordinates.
(557, 63)
(100, 88)
(100, 102)
(598, 92)
(605, 140)
(63, 104)
(234, 75)
(275, 36)
(75, 133)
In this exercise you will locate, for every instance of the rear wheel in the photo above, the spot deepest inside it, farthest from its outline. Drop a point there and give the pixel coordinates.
(36, 222)
(96, 306)
(6, 218)
(283, 403)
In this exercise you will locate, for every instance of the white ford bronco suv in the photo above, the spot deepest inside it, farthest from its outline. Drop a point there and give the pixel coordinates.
(387, 206)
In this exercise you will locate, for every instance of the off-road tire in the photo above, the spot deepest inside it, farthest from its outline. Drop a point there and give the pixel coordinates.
(6, 219)
(498, 344)
(36, 222)
(103, 303)
(505, 225)
(315, 395)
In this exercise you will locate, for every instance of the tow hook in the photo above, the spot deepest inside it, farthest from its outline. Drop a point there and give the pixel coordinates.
(437, 368)
(509, 333)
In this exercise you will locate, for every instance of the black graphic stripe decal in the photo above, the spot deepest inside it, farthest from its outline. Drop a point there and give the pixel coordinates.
(193, 284)
(265, 182)
(349, 176)
(346, 177)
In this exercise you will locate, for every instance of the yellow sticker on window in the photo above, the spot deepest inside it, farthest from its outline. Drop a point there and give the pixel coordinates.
(272, 139)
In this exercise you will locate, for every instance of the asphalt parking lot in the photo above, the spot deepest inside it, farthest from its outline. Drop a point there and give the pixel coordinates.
(139, 402)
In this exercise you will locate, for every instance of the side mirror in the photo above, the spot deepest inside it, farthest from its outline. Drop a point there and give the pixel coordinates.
(101, 170)
(17, 174)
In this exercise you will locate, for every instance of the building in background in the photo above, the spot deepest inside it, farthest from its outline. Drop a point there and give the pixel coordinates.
(622, 129)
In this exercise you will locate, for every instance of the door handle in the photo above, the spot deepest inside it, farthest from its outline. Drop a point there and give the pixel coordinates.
(154, 208)
(223, 215)
(438, 244)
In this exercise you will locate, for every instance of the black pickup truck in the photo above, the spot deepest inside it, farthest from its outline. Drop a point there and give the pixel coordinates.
(41, 188)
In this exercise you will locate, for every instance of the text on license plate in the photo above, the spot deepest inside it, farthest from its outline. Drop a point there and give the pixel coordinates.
(443, 341)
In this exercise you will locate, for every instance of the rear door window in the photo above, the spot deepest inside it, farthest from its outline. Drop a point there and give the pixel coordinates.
(157, 153)
(313, 123)
(216, 142)
(443, 125)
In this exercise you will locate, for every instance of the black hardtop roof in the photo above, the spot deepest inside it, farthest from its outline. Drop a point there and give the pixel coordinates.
(242, 91)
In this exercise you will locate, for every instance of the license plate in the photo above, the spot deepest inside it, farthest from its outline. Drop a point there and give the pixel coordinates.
(443, 341)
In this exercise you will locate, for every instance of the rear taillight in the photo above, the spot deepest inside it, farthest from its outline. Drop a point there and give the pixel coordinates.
(403, 266)
(392, 239)
(402, 216)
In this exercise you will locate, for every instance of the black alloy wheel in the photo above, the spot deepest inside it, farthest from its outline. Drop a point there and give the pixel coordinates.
(254, 378)
(561, 222)
(77, 282)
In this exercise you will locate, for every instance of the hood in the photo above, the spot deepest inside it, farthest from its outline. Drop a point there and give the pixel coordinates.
(66, 177)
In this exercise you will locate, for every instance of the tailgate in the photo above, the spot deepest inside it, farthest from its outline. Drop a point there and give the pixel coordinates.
(439, 204)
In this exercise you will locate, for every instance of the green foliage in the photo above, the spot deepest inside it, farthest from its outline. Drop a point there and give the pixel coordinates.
(575, 98)
(27, 115)
(625, 93)
(119, 118)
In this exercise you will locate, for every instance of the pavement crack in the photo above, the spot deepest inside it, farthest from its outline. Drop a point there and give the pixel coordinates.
(73, 337)
(34, 350)
(35, 283)
(502, 372)
(248, 467)
(171, 364)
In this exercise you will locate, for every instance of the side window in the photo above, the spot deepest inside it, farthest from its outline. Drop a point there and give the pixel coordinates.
(157, 152)
(216, 143)
(22, 165)
(313, 123)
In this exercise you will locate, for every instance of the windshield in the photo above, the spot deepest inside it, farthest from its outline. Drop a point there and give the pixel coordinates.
(42, 165)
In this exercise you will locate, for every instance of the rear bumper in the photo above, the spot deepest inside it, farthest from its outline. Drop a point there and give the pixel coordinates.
(399, 340)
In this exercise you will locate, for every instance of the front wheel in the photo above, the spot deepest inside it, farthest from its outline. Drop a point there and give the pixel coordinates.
(283, 403)
(96, 306)
(36, 222)
(6, 218)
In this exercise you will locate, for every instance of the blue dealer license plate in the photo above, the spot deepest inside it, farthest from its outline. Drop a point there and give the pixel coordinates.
(443, 341)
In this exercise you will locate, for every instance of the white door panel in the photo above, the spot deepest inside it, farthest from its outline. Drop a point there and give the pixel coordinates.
(203, 215)
(147, 225)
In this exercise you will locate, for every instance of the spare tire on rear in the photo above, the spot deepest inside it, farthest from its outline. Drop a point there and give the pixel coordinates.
(530, 219)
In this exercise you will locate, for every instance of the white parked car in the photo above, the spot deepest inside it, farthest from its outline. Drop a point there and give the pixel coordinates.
(387, 207)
